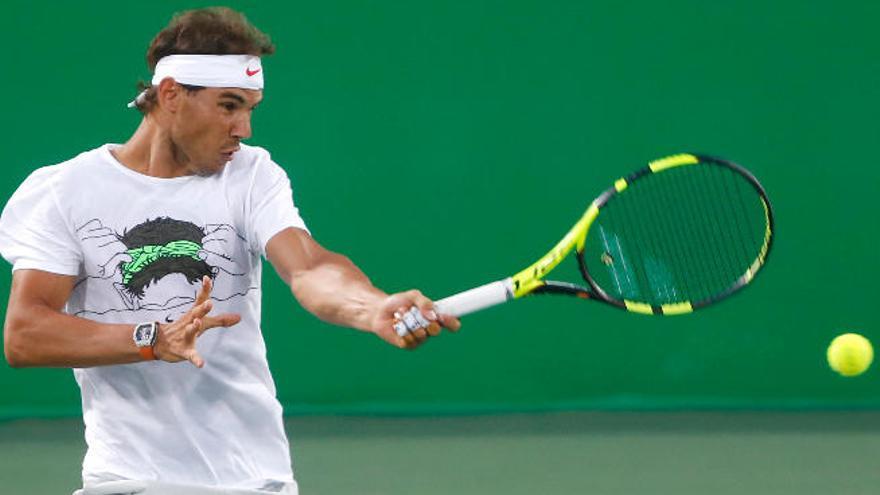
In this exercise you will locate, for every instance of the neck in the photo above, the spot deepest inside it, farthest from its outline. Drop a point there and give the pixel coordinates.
(151, 151)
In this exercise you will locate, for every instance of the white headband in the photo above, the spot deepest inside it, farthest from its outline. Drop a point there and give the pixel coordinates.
(210, 71)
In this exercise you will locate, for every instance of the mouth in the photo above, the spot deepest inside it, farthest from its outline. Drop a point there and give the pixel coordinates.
(228, 153)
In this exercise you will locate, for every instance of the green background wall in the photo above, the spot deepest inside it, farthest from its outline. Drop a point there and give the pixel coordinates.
(442, 144)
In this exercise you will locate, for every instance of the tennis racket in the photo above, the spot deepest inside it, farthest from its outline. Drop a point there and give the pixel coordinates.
(684, 232)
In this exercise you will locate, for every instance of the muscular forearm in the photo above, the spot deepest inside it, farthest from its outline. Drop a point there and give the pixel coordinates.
(330, 286)
(37, 335)
(336, 291)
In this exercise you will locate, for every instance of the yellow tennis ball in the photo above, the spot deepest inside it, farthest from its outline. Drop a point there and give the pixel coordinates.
(850, 354)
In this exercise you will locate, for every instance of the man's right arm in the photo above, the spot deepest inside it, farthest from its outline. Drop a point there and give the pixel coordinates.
(38, 333)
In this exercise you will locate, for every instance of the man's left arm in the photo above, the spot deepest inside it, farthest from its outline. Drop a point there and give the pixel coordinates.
(331, 287)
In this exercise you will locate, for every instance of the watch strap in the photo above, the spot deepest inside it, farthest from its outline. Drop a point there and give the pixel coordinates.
(147, 353)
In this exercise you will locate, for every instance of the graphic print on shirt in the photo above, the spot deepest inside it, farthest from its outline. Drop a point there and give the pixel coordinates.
(157, 266)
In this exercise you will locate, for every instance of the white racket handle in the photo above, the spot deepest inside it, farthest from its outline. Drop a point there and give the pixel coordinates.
(478, 298)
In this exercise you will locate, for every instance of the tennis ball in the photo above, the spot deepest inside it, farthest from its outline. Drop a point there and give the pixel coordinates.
(850, 354)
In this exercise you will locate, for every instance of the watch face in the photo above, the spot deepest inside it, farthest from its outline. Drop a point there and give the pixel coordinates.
(144, 334)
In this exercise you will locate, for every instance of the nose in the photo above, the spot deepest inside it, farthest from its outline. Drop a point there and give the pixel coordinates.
(241, 128)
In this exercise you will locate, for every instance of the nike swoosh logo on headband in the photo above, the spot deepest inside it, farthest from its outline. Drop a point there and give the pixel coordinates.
(252, 72)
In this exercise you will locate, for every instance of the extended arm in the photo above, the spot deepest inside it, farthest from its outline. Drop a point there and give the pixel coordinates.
(331, 287)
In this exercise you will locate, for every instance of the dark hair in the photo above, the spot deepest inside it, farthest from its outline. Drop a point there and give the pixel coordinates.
(209, 31)
(161, 231)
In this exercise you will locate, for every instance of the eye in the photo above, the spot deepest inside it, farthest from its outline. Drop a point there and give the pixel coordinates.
(228, 106)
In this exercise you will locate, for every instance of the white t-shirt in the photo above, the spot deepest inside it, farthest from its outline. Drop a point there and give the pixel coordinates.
(139, 246)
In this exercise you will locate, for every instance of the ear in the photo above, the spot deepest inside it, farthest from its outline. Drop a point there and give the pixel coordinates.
(169, 95)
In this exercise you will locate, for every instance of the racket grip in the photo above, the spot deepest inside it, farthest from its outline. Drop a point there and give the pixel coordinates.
(476, 299)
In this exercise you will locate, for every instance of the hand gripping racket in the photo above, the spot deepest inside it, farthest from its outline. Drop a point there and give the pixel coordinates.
(684, 232)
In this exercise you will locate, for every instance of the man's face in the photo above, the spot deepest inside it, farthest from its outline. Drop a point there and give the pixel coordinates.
(209, 125)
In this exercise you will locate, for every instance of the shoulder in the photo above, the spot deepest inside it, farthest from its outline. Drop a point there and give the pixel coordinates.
(253, 163)
(252, 154)
(49, 177)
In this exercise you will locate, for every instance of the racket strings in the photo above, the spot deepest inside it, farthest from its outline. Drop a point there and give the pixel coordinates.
(622, 281)
(682, 215)
(692, 279)
(724, 206)
(743, 225)
(745, 236)
(665, 279)
(685, 234)
(620, 261)
(721, 224)
(754, 239)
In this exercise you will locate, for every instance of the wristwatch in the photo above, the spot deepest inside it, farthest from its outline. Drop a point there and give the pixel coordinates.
(145, 335)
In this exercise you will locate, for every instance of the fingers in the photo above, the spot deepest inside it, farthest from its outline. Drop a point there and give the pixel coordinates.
(177, 341)
(409, 321)
(450, 322)
(425, 305)
(205, 290)
(201, 310)
(224, 320)
(200, 325)
(409, 342)
(193, 328)
(415, 324)
(195, 359)
(420, 335)
(433, 329)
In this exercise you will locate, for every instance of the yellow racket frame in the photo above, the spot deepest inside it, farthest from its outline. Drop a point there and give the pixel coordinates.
(530, 279)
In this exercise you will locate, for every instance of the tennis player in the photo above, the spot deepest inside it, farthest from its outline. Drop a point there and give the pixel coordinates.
(125, 256)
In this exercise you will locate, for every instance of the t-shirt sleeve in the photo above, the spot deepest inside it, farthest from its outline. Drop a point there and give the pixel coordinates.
(271, 205)
(33, 232)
